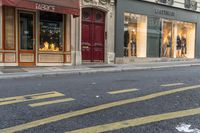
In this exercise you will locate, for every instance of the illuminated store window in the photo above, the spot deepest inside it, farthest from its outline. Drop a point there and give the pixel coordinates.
(178, 39)
(51, 32)
(185, 43)
(135, 35)
(167, 30)
(9, 19)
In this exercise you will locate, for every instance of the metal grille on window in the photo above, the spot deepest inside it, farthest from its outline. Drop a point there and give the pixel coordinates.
(191, 4)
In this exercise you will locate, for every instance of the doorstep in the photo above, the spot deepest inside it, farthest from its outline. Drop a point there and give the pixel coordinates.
(135, 60)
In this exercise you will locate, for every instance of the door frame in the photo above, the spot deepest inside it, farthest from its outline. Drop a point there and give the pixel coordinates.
(34, 37)
(161, 44)
(92, 23)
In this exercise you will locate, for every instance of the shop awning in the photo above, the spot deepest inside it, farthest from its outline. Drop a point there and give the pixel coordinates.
(58, 6)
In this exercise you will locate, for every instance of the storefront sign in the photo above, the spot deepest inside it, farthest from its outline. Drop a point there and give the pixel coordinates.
(164, 12)
(45, 7)
(58, 6)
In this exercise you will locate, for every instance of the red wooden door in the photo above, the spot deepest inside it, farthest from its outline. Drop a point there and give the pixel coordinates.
(93, 29)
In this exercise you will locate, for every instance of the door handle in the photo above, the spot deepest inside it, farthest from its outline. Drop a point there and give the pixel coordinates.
(34, 41)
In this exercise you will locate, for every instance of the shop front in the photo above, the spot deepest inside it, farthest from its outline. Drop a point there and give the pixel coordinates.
(158, 31)
(37, 33)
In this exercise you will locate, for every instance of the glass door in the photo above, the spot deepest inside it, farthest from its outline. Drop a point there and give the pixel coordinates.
(166, 48)
(26, 39)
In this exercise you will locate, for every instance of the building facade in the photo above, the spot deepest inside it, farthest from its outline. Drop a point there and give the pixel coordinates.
(37, 33)
(157, 28)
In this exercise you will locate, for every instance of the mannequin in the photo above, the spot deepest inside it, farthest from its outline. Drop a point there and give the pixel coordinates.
(183, 46)
(126, 42)
(133, 43)
(178, 46)
(169, 45)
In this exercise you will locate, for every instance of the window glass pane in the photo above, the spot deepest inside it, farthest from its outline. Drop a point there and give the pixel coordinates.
(26, 31)
(185, 42)
(154, 36)
(9, 28)
(51, 32)
(135, 35)
(166, 48)
(178, 39)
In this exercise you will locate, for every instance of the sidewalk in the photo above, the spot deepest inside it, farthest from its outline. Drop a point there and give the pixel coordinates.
(22, 72)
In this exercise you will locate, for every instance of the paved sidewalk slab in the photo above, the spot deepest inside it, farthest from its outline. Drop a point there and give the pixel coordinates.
(22, 72)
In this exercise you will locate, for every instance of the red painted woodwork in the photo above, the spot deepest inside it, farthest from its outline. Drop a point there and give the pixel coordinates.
(93, 30)
(59, 6)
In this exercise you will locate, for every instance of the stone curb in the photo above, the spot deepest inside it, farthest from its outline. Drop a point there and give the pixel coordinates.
(89, 71)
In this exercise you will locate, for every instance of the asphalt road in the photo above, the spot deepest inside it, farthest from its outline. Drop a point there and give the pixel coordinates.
(156, 101)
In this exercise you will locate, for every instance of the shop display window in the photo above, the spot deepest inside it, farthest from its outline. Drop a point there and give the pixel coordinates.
(135, 35)
(185, 41)
(178, 39)
(9, 13)
(51, 32)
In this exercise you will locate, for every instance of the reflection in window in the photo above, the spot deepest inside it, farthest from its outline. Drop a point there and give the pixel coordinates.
(51, 32)
(135, 35)
(26, 31)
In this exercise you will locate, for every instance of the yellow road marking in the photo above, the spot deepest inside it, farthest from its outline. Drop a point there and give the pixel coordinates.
(51, 102)
(32, 97)
(92, 109)
(174, 84)
(137, 121)
(121, 91)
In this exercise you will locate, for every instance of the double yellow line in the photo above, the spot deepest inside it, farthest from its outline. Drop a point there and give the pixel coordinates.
(32, 97)
(101, 107)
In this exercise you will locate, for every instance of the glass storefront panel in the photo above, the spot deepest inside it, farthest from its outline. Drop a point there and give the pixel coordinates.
(178, 39)
(185, 44)
(135, 35)
(51, 32)
(9, 14)
(26, 31)
(166, 48)
(165, 37)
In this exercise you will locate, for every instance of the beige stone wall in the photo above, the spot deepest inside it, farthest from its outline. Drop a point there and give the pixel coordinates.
(75, 41)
